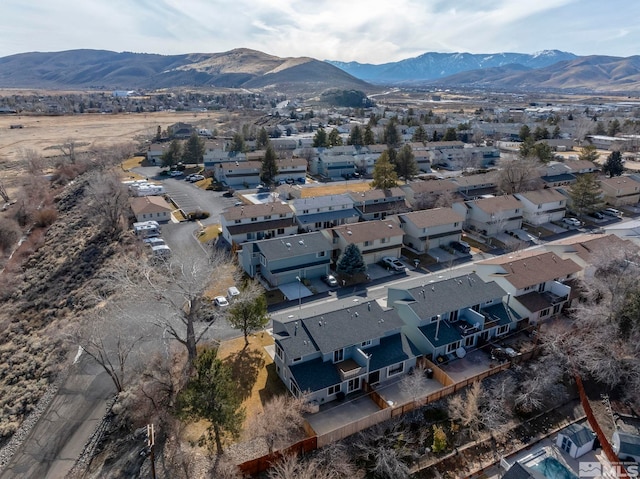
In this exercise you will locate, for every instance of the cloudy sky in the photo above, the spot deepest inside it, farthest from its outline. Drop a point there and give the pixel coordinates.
(372, 31)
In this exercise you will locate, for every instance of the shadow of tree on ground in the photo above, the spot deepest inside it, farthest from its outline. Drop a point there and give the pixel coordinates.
(245, 365)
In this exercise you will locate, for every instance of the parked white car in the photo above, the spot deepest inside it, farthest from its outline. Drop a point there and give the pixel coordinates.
(176, 173)
(572, 222)
(221, 301)
(393, 263)
(233, 293)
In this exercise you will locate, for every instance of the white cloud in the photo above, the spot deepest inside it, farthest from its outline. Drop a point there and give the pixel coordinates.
(374, 31)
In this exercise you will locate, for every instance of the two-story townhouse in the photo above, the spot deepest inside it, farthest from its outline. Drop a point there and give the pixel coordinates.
(580, 167)
(336, 162)
(328, 356)
(284, 262)
(321, 212)
(445, 318)
(238, 173)
(542, 206)
(427, 191)
(590, 251)
(620, 190)
(474, 186)
(427, 229)
(375, 239)
(291, 169)
(535, 281)
(492, 215)
(214, 158)
(556, 174)
(376, 204)
(253, 222)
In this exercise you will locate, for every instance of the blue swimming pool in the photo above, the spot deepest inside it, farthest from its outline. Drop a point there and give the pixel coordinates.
(553, 469)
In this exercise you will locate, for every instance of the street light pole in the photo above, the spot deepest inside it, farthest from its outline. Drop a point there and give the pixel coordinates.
(299, 293)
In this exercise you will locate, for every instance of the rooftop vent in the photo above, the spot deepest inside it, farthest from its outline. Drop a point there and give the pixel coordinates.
(301, 242)
(349, 232)
(288, 245)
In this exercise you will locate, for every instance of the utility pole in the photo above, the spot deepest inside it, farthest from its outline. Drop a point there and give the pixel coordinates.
(151, 441)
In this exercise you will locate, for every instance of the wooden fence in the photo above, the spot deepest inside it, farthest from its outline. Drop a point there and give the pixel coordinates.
(385, 413)
(261, 464)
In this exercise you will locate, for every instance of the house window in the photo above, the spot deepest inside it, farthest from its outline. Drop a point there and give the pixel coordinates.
(305, 212)
(517, 210)
(469, 341)
(283, 215)
(397, 369)
(566, 444)
(384, 240)
(367, 243)
(539, 207)
(527, 288)
(455, 225)
(330, 208)
(366, 343)
(353, 385)
(321, 254)
(333, 390)
(279, 352)
(556, 308)
(254, 219)
(434, 318)
(502, 330)
(280, 231)
(238, 222)
(376, 215)
(250, 236)
(338, 355)
(544, 312)
(268, 217)
(295, 360)
(453, 346)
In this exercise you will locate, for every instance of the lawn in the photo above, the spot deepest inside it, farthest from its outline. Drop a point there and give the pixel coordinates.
(209, 233)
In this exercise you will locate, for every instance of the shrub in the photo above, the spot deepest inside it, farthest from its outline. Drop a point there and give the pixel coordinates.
(439, 439)
(198, 215)
(9, 234)
(45, 217)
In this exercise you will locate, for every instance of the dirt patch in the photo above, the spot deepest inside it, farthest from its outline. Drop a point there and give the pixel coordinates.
(335, 189)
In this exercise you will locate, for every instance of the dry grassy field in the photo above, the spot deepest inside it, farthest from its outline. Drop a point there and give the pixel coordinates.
(44, 133)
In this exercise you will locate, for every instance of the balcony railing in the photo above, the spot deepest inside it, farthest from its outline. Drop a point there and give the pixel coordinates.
(349, 369)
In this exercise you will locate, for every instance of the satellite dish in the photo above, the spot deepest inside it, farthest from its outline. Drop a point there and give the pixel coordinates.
(461, 352)
(476, 325)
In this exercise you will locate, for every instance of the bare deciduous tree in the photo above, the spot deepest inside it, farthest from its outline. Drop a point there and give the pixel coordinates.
(415, 383)
(68, 149)
(107, 342)
(280, 421)
(517, 175)
(172, 294)
(9, 234)
(108, 200)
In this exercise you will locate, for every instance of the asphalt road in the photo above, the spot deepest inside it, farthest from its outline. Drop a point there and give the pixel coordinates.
(58, 438)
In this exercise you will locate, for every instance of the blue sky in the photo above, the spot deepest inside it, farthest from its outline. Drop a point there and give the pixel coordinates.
(368, 31)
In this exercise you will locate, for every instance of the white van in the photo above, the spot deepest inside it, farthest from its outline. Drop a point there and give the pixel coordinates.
(612, 212)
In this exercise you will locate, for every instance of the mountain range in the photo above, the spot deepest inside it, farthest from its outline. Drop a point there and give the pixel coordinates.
(239, 68)
(254, 70)
(432, 65)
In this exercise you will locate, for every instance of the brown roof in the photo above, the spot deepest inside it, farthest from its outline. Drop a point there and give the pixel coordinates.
(546, 195)
(529, 268)
(534, 301)
(368, 230)
(432, 186)
(261, 225)
(149, 204)
(433, 217)
(497, 203)
(591, 247)
(490, 178)
(240, 165)
(620, 182)
(259, 210)
(377, 194)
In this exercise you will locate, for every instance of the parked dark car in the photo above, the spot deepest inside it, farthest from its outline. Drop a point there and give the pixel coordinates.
(461, 246)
